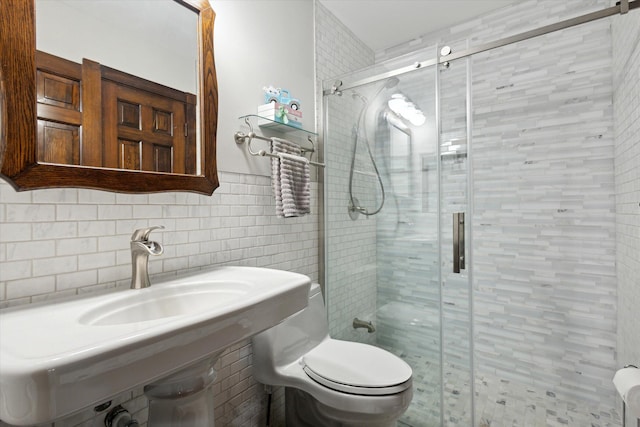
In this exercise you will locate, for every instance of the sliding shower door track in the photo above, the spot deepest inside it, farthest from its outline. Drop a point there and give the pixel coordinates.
(622, 7)
(579, 20)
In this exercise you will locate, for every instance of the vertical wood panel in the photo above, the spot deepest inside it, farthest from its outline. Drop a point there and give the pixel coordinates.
(191, 151)
(110, 146)
(208, 92)
(91, 114)
(18, 72)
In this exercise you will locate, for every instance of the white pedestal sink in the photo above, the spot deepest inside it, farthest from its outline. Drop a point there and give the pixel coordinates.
(56, 359)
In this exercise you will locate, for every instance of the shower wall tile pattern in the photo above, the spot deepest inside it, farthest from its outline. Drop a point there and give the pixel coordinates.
(545, 292)
(61, 242)
(544, 232)
(351, 248)
(626, 107)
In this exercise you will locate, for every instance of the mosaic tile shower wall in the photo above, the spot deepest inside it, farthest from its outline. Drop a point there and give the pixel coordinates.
(351, 250)
(544, 235)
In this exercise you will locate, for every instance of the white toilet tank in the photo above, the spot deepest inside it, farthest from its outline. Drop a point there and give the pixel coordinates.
(290, 339)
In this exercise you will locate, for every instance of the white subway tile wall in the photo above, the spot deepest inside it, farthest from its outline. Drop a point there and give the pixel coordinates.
(626, 109)
(60, 242)
(351, 253)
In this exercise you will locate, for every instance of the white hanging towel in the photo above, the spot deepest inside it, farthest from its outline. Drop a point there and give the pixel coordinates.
(291, 179)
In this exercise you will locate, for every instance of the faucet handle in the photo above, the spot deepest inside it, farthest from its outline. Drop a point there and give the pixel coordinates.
(142, 234)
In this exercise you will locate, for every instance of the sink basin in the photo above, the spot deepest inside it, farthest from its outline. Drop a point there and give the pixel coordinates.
(155, 303)
(56, 359)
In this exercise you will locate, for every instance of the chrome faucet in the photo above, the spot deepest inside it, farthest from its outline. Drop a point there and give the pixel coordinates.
(357, 323)
(141, 248)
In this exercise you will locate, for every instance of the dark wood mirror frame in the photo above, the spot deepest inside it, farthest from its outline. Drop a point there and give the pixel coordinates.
(18, 116)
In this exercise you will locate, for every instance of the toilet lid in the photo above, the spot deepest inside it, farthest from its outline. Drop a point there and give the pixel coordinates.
(357, 368)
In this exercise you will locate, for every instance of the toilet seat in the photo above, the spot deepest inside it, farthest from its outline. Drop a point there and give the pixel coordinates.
(357, 368)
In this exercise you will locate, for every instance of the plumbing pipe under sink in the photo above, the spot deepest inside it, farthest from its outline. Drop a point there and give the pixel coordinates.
(120, 417)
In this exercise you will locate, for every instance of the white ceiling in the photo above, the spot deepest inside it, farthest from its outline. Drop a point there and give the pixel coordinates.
(384, 23)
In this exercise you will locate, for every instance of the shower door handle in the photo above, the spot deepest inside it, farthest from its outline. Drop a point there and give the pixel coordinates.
(458, 242)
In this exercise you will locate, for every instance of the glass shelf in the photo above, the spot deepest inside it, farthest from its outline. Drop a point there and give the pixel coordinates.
(265, 123)
(253, 120)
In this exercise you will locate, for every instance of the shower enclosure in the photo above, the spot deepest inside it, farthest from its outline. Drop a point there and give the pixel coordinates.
(469, 216)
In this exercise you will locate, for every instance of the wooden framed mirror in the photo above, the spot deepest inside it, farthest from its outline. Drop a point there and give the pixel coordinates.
(20, 118)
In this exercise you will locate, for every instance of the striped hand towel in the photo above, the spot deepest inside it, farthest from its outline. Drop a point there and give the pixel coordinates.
(290, 178)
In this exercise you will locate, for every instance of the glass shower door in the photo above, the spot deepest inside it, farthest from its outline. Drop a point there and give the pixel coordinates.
(454, 229)
(408, 294)
(389, 191)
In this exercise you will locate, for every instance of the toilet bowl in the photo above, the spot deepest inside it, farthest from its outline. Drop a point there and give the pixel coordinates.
(330, 382)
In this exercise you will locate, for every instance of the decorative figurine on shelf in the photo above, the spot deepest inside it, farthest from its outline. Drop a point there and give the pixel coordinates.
(280, 96)
(281, 115)
(280, 107)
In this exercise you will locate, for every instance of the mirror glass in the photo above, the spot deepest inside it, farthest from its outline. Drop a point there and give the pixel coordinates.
(156, 40)
(123, 98)
(153, 40)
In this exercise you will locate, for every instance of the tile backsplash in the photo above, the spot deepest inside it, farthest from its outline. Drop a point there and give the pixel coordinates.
(55, 243)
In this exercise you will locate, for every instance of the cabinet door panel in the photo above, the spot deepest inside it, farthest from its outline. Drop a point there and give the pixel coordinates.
(58, 143)
(156, 121)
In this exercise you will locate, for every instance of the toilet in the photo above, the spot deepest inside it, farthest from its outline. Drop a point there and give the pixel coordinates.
(329, 382)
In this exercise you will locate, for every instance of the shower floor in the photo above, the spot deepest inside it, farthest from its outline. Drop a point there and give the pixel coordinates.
(499, 402)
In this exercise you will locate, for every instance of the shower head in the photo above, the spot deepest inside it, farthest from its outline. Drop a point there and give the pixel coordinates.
(389, 83)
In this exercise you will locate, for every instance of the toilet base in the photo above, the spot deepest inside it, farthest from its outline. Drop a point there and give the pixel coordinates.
(303, 410)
